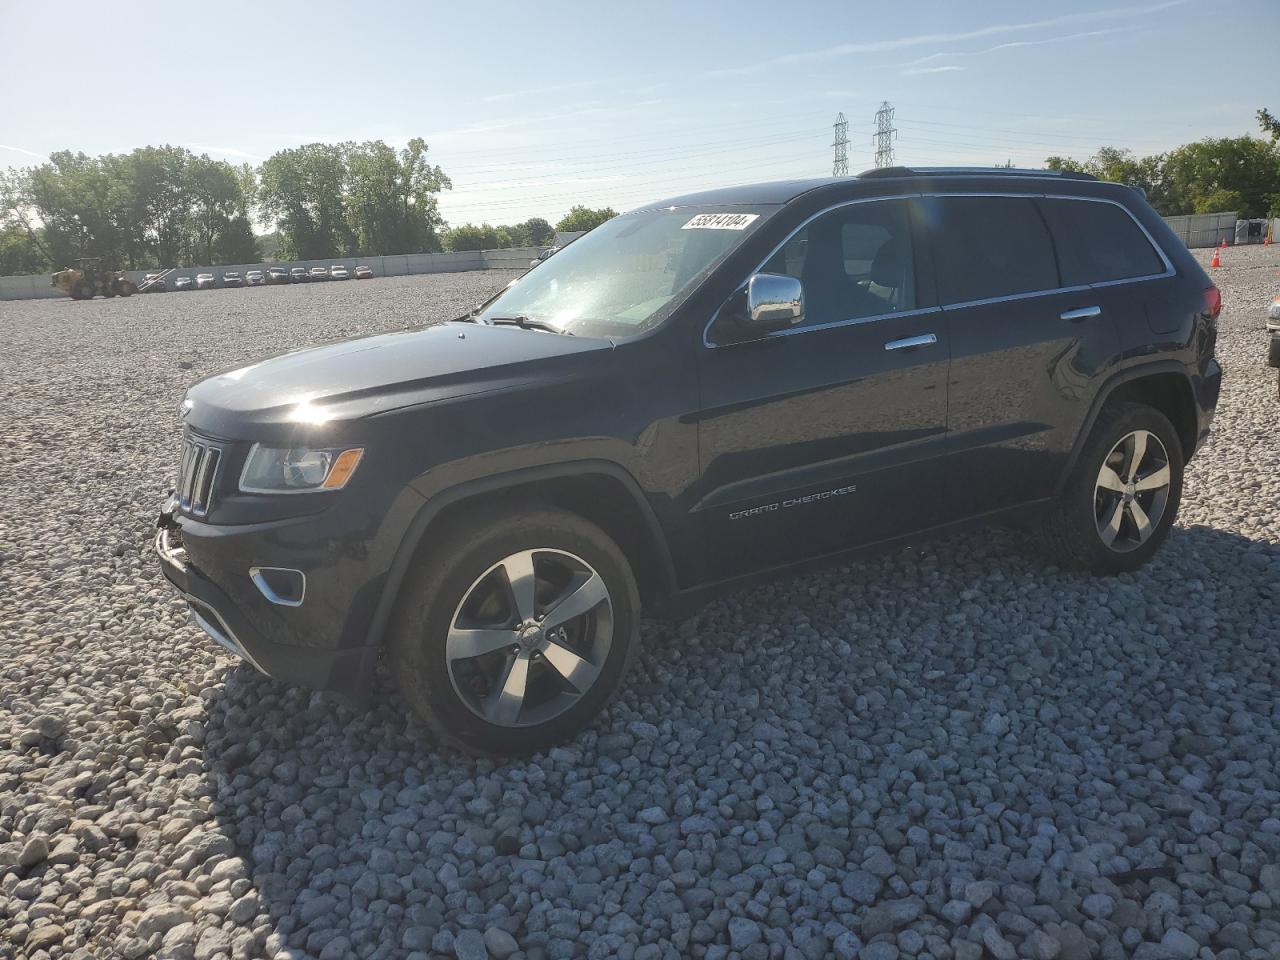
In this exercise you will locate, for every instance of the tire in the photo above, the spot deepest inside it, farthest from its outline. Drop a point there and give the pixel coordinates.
(81, 291)
(126, 288)
(1094, 506)
(462, 582)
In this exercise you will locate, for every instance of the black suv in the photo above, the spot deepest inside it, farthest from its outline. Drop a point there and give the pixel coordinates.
(717, 387)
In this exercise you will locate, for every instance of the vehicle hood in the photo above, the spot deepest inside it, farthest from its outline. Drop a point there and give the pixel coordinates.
(367, 376)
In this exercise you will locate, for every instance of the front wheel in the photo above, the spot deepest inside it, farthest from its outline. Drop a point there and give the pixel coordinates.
(515, 630)
(1122, 497)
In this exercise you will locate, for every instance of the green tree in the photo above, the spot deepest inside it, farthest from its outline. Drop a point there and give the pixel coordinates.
(1244, 166)
(21, 249)
(155, 206)
(1121, 166)
(77, 200)
(392, 204)
(1241, 172)
(220, 231)
(1270, 125)
(537, 233)
(19, 254)
(468, 236)
(304, 191)
(1218, 201)
(584, 218)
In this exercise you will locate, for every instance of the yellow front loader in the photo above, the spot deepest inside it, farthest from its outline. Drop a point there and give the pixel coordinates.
(88, 279)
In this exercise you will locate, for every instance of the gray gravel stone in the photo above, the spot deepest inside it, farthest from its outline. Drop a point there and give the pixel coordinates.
(1003, 753)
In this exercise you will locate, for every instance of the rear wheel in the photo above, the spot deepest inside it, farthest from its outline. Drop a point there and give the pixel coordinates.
(81, 290)
(1122, 496)
(515, 630)
(126, 288)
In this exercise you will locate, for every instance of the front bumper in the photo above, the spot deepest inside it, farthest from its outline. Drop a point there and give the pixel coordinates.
(346, 669)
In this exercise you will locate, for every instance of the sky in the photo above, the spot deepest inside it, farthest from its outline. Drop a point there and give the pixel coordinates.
(532, 107)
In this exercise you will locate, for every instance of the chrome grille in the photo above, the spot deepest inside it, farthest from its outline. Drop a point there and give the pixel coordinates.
(197, 474)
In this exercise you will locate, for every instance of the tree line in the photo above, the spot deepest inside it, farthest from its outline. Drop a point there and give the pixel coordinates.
(167, 206)
(1208, 176)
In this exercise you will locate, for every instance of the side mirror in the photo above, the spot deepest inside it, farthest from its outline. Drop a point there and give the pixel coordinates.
(773, 302)
(768, 302)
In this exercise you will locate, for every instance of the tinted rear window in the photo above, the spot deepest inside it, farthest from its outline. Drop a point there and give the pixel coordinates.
(1098, 242)
(986, 247)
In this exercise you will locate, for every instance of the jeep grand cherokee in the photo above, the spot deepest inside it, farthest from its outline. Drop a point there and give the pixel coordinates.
(713, 388)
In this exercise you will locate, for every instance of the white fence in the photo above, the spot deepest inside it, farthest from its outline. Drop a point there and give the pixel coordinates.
(399, 265)
(1204, 229)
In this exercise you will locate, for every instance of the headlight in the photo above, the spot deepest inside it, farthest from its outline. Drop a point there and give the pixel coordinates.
(297, 470)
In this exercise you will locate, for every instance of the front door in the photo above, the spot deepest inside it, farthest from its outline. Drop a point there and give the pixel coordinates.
(821, 437)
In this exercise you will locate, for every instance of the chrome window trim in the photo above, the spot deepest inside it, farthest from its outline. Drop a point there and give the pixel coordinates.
(1169, 270)
(851, 322)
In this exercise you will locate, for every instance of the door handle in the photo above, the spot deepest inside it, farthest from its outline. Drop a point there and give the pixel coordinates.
(1083, 313)
(907, 343)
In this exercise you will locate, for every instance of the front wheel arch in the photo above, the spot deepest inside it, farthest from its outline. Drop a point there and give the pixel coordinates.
(640, 535)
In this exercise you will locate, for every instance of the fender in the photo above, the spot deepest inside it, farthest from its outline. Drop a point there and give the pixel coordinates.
(485, 485)
(1109, 386)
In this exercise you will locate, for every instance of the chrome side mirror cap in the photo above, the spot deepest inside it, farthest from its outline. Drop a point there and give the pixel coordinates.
(774, 302)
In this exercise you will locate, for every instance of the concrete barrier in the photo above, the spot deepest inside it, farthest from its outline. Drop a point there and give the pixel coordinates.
(397, 265)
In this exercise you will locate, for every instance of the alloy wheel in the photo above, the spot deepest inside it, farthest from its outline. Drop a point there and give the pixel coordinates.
(530, 637)
(1132, 491)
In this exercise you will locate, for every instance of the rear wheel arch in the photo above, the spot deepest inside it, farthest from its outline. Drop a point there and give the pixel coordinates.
(1164, 386)
(1172, 395)
(599, 491)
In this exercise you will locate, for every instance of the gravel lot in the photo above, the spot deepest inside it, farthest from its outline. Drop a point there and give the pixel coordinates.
(950, 752)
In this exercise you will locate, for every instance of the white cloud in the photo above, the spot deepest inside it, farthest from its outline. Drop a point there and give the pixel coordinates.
(950, 68)
(23, 150)
(539, 91)
(1014, 44)
(926, 39)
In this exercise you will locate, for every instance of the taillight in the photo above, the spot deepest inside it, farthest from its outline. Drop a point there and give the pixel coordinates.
(1212, 302)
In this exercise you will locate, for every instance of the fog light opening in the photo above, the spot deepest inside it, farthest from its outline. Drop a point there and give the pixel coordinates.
(280, 585)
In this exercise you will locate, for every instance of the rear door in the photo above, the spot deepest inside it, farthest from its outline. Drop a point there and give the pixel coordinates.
(819, 437)
(1024, 349)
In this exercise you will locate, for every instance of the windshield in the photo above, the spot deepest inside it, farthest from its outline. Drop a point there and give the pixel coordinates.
(628, 274)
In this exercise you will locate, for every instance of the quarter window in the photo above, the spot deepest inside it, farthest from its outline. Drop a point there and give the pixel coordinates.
(985, 247)
(854, 262)
(1098, 242)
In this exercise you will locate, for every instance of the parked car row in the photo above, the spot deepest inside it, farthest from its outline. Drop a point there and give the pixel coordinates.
(255, 278)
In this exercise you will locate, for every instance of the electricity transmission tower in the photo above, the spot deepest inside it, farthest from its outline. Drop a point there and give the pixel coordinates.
(885, 134)
(840, 168)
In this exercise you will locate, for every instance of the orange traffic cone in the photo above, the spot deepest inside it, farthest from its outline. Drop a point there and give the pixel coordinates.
(1224, 243)
(1217, 260)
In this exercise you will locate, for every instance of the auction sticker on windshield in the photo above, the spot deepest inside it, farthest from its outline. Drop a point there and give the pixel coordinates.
(721, 221)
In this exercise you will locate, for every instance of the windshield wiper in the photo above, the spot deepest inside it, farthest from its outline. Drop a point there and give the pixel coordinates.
(526, 323)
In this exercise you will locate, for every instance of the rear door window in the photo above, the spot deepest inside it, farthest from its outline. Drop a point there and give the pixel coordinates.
(1098, 242)
(987, 247)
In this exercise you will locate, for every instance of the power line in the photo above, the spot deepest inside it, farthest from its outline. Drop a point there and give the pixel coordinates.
(840, 167)
(884, 135)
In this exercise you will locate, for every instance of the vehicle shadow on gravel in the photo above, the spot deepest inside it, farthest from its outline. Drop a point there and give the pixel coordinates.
(353, 824)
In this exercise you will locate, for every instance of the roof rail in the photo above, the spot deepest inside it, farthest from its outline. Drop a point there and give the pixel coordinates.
(882, 172)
